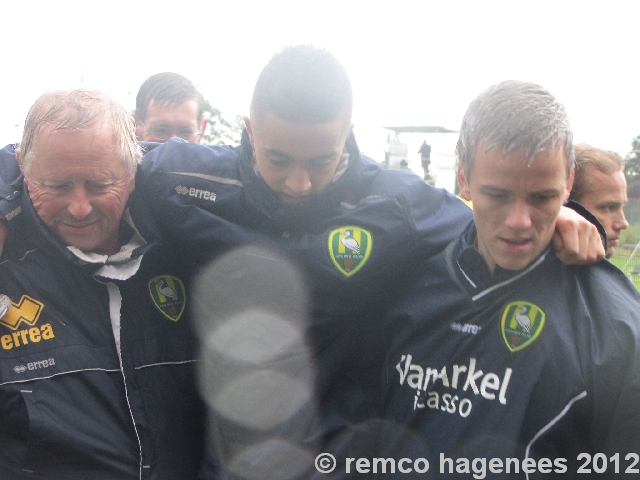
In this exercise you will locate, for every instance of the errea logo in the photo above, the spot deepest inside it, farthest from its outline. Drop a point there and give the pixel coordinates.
(34, 365)
(195, 192)
(25, 312)
(466, 328)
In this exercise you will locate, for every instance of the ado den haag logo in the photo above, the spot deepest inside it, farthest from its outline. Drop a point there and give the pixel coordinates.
(521, 324)
(349, 248)
(168, 295)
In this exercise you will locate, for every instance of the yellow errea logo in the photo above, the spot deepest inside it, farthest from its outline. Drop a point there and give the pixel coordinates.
(27, 310)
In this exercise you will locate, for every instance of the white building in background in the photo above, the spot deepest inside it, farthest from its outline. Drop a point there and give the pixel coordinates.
(405, 144)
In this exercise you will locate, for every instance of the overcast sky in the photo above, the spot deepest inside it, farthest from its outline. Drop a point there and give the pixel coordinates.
(411, 62)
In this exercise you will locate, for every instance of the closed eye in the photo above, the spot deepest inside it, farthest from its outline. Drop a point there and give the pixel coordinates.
(543, 197)
(497, 195)
(98, 187)
(279, 162)
(320, 164)
(58, 187)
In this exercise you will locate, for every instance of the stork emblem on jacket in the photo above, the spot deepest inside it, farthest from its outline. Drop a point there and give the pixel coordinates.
(349, 248)
(521, 324)
(168, 295)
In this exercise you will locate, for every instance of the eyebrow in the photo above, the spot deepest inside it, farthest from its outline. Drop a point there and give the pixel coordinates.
(496, 189)
(278, 153)
(547, 191)
(609, 204)
(486, 188)
(159, 126)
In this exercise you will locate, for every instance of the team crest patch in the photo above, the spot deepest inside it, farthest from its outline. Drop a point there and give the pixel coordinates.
(168, 295)
(27, 310)
(349, 248)
(521, 324)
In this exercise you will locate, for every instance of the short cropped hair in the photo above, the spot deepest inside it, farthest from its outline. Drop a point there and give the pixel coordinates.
(168, 88)
(303, 84)
(514, 115)
(588, 157)
(78, 110)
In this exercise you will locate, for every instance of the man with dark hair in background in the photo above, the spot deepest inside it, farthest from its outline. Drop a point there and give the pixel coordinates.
(600, 186)
(169, 105)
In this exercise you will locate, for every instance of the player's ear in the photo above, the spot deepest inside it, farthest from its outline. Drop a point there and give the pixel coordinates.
(203, 129)
(247, 124)
(572, 175)
(18, 159)
(465, 191)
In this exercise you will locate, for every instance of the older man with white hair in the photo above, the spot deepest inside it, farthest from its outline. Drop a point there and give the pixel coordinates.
(97, 356)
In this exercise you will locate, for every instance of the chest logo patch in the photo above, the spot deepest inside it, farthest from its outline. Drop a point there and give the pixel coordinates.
(168, 295)
(27, 310)
(349, 248)
(521, 324)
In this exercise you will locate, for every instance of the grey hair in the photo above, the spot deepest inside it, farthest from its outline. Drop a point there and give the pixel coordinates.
(514, 115)
(78, 110)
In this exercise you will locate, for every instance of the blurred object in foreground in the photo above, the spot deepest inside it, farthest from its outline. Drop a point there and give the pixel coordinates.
(256, 373)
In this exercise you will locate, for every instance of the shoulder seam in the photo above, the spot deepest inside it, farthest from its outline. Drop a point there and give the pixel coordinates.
(213, 178)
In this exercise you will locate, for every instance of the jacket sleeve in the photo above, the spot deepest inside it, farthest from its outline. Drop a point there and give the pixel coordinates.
(163, 210)
(608, 329)
(10, 183)
(436, 216)
(616, 390)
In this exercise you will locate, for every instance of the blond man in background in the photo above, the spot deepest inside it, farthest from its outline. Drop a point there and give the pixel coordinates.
(601, 187)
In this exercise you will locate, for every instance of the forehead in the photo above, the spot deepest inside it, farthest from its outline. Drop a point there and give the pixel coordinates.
(499, 169)
(595, 176)
(275, 132)
(172, 113)
(601, 183)
(58, 151)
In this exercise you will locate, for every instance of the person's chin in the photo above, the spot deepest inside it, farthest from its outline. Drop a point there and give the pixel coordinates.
(292, 200)
(85, 238)
(84, 245)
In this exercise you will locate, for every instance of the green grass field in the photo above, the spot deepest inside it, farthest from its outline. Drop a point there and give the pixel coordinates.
(621, 258)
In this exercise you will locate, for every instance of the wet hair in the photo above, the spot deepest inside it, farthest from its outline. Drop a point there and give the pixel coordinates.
(303, 84)
(80, 110)
(587, 158)
(514, 115)
(168, 88)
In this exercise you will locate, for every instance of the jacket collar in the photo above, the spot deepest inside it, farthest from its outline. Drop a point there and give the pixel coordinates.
(469, 270)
